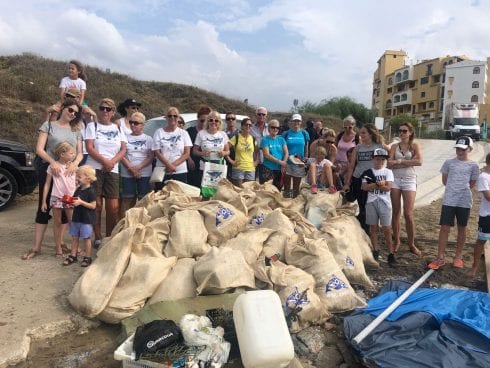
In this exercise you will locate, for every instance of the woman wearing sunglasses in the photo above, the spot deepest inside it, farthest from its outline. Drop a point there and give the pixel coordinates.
(106, 146)
(345, 140)
(194, 176)
(172, 147)
(126, 109)
(403, 158)
(136, 163)
(211, 143)
(65, 129)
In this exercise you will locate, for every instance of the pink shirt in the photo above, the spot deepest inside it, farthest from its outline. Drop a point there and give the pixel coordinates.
(62, 185)
(342, 148)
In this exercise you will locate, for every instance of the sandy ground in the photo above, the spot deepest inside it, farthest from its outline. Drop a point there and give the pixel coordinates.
(44, 281)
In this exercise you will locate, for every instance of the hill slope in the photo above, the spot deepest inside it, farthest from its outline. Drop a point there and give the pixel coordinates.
(29, 83)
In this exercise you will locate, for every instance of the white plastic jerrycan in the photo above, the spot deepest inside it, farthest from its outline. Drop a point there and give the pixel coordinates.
(261, 330)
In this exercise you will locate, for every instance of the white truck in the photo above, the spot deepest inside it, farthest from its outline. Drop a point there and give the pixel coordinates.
(462, 119)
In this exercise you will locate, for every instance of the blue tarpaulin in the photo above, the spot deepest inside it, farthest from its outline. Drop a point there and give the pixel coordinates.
(431, 328)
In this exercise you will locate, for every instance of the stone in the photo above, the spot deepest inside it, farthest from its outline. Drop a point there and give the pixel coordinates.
(313, 337)
(329, 357)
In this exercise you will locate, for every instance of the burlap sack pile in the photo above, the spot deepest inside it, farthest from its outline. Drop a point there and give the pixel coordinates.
(173, 245)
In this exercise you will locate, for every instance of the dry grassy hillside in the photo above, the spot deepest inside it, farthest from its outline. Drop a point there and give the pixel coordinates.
(29, 83)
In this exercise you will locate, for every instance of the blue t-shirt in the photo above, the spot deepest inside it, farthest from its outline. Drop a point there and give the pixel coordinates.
(296, 142)
(275, 149)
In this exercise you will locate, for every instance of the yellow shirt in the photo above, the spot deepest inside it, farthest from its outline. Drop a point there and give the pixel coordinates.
(244, 152)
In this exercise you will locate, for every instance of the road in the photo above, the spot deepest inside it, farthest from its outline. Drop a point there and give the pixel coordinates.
(435, 152)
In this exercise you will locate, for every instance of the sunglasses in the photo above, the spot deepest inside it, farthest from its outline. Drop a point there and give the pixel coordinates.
(261, 114)
(213, 121)
(105, 108)
(247, 125)
(173, 116)
(330, 142)
(69, 96)
(230, 119)
(402, 130)
(273, 127)
(134, 122)
(72, 111)
(134, 107)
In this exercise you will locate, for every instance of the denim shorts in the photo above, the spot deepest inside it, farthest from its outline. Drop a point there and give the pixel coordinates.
(135, 187)
(82, 231)
(242, 175)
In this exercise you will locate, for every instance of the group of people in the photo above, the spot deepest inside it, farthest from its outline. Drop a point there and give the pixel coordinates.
(98, 161)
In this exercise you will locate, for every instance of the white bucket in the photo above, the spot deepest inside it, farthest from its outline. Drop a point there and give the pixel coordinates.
(261, 329)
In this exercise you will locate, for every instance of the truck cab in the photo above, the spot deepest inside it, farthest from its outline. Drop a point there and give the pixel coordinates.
(463, 120)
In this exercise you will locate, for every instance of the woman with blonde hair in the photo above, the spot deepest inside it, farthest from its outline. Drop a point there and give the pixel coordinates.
(212, 143)
(172, 147)
(404, 156)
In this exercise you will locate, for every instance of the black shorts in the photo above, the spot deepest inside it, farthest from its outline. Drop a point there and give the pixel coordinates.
(484, 224)
(448, 213)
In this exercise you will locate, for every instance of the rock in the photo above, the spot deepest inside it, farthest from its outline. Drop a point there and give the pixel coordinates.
(329, 357)
(300, 348)
(313, 338)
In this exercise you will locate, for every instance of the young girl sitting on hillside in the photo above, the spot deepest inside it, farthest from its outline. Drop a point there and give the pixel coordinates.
(84, 216)
(63, 185)
(76, 79)
(320, 171)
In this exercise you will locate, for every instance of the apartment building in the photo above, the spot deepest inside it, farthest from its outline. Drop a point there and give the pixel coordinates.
(418, 89)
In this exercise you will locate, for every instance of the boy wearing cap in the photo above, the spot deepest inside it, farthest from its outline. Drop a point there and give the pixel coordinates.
(459, 175)
(377, 182)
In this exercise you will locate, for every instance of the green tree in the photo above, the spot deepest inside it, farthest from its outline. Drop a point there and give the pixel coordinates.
(340, 107)
(398, 120)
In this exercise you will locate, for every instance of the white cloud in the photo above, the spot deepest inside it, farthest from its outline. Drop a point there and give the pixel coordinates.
(327, 49)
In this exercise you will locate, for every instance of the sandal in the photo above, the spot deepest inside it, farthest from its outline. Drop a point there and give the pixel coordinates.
(31, 253)
(70, 260)
(87, 261)
(59, 255)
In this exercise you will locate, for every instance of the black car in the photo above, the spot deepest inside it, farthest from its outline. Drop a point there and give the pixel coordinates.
(17, 172)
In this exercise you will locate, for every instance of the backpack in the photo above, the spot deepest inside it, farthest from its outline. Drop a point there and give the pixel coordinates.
(232, 146)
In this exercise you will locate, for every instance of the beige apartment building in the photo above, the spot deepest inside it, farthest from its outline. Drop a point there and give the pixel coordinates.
(400, 87)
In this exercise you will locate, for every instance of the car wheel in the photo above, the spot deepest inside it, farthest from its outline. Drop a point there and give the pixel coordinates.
(8, 188)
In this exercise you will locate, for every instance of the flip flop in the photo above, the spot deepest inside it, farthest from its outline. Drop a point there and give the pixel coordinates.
(31, 253)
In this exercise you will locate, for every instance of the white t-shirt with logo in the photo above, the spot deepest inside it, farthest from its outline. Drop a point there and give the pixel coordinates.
(211, 142)
(374, 194)
(137, 151)
(172, 145)
(107, 142)
(67, 83)
(483, 185)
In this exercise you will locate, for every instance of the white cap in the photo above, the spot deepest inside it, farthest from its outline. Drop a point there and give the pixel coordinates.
(464, 142)
(296, 117)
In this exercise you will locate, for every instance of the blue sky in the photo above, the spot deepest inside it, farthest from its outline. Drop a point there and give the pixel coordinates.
(269, 52)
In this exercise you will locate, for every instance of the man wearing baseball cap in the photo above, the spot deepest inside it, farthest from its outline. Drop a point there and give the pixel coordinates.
(459, 175)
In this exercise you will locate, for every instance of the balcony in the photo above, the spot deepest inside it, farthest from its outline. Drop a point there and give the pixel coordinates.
(404, 74)
(402, 98)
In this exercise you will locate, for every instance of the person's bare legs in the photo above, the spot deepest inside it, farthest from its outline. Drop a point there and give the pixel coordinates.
(287, 184)
(88, 247)
(373, 234)
(408, 205)
(443, 236)
(126, 204)
(388, 241)
(460, 240)
(312, 174)
(111, 214)
(39, 231)
(98, 211)
(296, 185)
(477, 253)
(395, 217)
(57, 231)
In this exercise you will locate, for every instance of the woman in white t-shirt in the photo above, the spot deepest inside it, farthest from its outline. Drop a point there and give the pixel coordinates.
(106, 146)
(126, 109)
(212, 143)
(172, 147)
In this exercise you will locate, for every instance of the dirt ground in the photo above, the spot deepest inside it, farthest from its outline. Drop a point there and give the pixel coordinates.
(95, 349)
